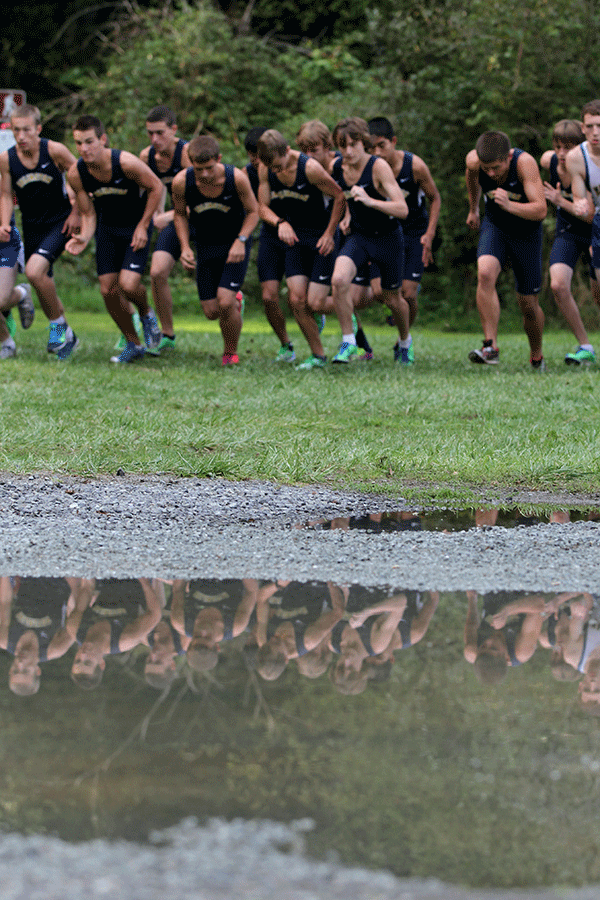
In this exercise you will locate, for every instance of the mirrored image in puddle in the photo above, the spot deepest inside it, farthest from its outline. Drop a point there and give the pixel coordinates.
(451, 520)
(447, 735)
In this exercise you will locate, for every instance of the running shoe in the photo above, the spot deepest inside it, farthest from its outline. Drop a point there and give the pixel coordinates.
(345, 353)
(366, 356)
(230, 359)
(166, 343)
(580, 356)
(538, 365)
(404, 355)
(152, 333)
(26, 308)
(313, 362)
(320, 320)
(10, 322)
(486, 356)
(286, 354)
(130, 353)
(7, 351)
(60, 333)
(137, 324)
(68, 347)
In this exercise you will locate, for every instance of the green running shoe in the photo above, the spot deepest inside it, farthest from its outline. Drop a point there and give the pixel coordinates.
(10, 322)
(286, 354)
(166, 343)
(345, 353)
(580, 356)
(313, 362)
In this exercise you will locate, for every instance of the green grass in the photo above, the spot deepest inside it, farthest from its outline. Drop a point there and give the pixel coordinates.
(372, 426)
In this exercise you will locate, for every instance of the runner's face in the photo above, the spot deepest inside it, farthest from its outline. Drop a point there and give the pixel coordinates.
(279, 164)
(161, 135)
(352, 151)
(384, 148)
(206, 172)
(496, 170)
(89, 145)
(316, 151)
(591, 129)
(561, 150)
(26, 132)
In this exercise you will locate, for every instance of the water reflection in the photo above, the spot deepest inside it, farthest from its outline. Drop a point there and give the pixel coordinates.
(351, 633)
(210, 697)
(451, 520)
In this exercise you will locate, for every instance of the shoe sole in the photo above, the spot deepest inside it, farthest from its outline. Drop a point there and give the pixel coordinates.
(475, 357)
(62, 356)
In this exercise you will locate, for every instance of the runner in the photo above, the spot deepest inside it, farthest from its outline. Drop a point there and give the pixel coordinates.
(376, 204)
(511, 231)
(34, 170)
(573, 237)
(166, 156)
(270, 261)
(291, 191)
(314, 139)
(214, 203)
(417, 185)
(117, 196)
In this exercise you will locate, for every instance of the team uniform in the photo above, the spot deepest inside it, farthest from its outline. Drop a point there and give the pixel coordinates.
(592, 183)
(119, 205)
(225, 595)
(306, 209)
(42, 197)
(120, 603)
(40, 607)
(167, 241)
(573, 236)
(11, 251)
(375, 237)
(510, 238)
(215, 223)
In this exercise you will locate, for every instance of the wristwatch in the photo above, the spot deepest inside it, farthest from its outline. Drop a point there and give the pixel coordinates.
(242, 238)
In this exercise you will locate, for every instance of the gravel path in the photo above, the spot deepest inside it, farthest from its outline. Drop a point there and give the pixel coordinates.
(168, 527)
(159, 526)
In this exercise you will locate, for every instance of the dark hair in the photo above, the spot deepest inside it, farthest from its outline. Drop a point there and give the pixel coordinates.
(84, 123)
(592, 109)
(251, 141)
(203, 148)
(162, 114)
(381, 127)
(271, 144)
(492, 146)
(354, 128)
(568, 132)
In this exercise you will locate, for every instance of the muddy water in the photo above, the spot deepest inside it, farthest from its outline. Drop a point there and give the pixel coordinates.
(380, 723)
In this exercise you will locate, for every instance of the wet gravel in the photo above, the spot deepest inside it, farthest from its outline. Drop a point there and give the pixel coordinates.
(124, 527)
(165, 527)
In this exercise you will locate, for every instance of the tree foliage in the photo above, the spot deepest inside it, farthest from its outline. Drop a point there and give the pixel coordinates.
(193, 60)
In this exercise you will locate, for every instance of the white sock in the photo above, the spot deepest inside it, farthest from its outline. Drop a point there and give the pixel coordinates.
(349, 339)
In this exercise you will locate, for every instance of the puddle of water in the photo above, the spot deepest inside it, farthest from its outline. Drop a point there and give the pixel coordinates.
(376, 713)
(452, 520)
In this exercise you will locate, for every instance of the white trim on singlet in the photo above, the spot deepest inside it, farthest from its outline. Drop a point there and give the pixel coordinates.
(592, 174)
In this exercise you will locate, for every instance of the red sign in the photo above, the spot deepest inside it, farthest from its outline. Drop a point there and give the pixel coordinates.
(10, 101)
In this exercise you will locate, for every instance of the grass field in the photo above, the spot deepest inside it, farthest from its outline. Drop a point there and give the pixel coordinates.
(373, 426)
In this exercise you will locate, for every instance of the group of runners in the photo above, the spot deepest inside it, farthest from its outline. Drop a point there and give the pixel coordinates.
(347, 219)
